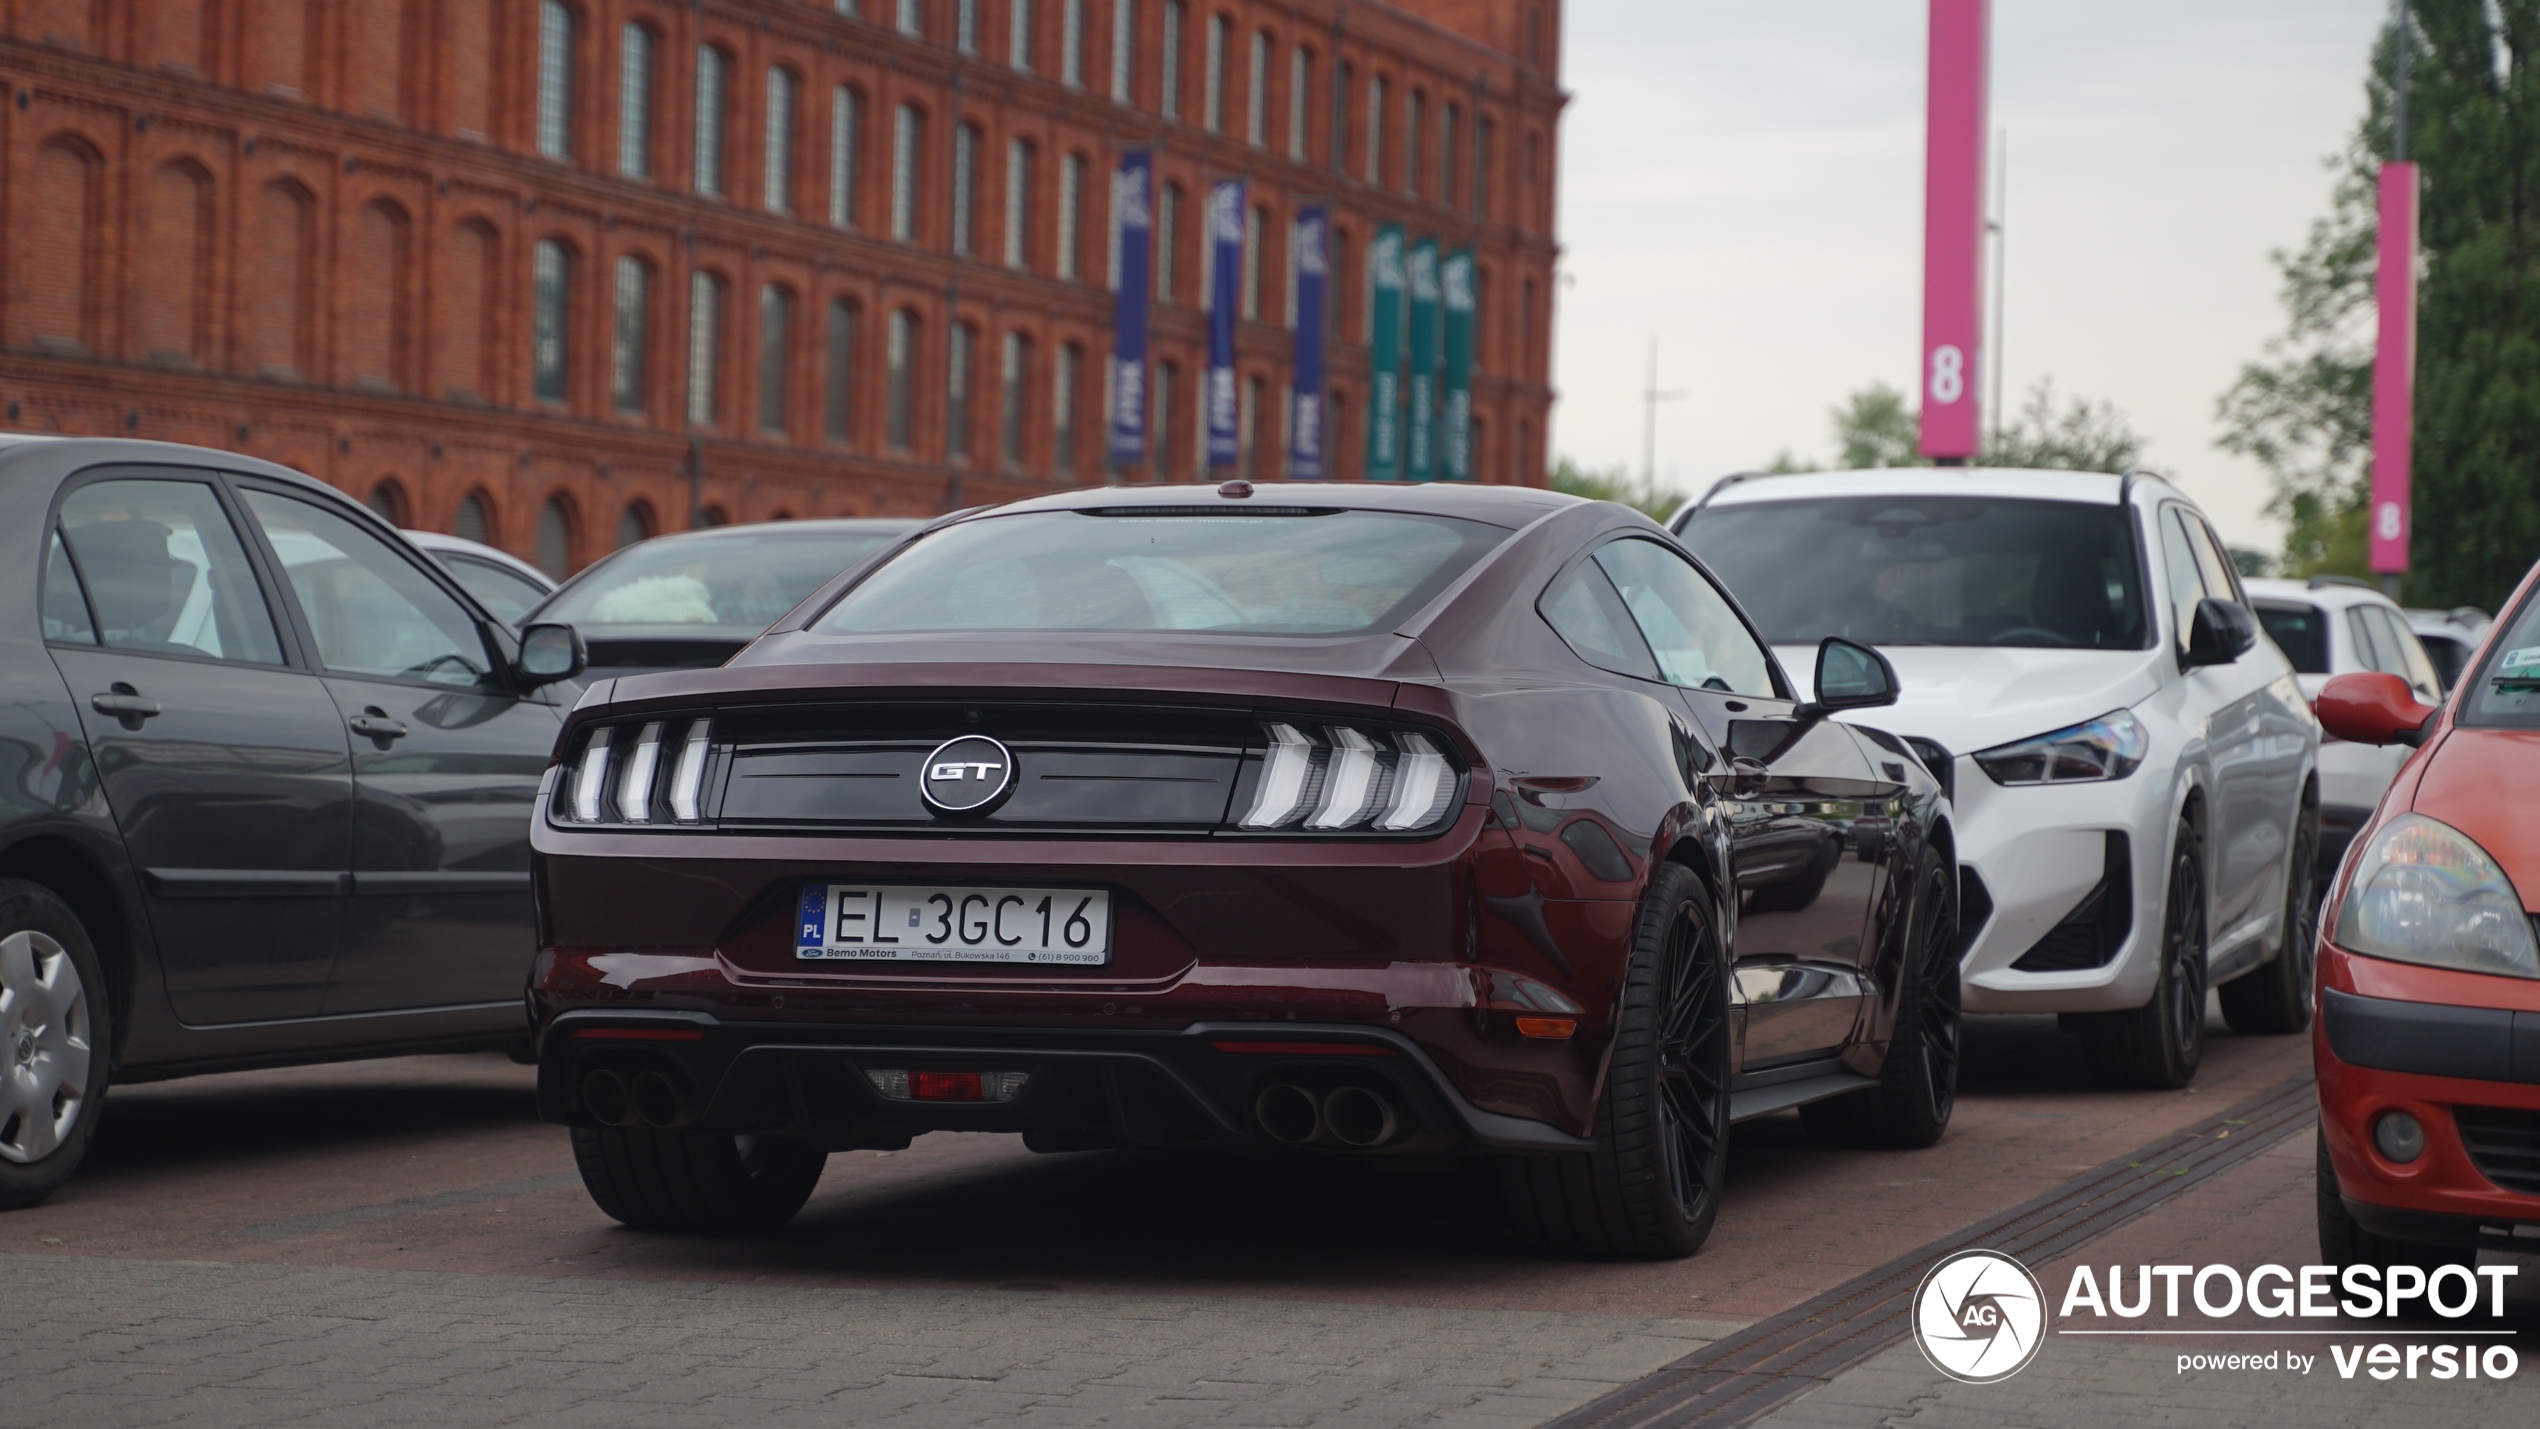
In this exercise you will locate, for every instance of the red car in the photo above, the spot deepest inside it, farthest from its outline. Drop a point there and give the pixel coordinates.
(2428, 1035)
(1404, 823)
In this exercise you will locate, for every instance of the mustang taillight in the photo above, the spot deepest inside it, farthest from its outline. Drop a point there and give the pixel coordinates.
(623, 778)
(1334, 778)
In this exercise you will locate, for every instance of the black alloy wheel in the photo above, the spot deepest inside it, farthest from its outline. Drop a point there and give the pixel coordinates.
(2157, 1046)
(2275, 998)
(1651, 1188)
(1918, 1081)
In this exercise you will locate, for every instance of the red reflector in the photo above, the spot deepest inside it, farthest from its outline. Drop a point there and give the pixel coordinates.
(642, 1034)
(1305, 1049)
(944, 1087)
(1555, 1028)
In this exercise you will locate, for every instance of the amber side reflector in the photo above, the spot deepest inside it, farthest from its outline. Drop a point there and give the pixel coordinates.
(642, 1034)
(1305, 1049)
(1554, 1028)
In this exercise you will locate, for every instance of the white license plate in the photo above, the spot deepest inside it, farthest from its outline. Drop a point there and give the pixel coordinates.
(921, 923)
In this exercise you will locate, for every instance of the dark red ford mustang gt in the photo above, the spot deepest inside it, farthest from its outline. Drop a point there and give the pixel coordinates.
(1403, 822)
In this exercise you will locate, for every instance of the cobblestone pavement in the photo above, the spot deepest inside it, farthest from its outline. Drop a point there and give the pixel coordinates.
(402, 1242)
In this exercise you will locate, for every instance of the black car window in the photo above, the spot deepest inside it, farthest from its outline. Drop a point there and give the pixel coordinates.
(2300, 631)
(1696, 634)
(2504, 692)
(65, 609)
(1584, 609)
(2448, 656)
(1914, 569)
(166, 572)
(2368, 651)
(507, 593)
(1258, 572)
(371, 610)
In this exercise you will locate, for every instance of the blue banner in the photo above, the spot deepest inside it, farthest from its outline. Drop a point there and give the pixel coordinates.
(1133, 209)
(1420, 428)
(1226, 233)
(1305, 415)
(1384, 355)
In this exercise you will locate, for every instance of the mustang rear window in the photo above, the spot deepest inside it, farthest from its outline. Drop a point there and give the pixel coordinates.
(1267, 573)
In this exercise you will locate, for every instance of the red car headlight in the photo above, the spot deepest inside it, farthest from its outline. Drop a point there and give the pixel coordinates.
(2424, 892)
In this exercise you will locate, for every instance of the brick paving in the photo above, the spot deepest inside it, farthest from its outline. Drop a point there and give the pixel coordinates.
(402, 1242)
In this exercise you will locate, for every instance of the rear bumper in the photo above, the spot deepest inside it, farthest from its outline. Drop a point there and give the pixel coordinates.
(1083, 1088)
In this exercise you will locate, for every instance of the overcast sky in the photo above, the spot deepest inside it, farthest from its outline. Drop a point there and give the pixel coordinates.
(1744, 182)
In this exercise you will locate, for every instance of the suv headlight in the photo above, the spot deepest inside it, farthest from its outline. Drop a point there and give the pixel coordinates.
(2424, 893)
(2109, 747)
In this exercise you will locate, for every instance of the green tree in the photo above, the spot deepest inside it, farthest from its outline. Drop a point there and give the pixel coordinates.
(1874, 428)
(1615, 485)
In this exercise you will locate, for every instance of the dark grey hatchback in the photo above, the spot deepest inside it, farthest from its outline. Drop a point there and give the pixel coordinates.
(265, 781)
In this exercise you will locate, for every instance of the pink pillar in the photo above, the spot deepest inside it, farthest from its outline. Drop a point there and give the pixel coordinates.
(1953, 231)
(2394, 368)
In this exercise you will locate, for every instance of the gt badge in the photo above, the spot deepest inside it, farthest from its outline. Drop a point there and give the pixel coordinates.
(969, 775)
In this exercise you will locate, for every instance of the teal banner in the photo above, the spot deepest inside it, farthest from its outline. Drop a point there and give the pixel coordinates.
(1420, 428)
(1384, 356)
(1455, 404)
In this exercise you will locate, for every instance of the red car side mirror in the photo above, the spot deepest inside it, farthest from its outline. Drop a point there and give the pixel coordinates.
(2376, 708)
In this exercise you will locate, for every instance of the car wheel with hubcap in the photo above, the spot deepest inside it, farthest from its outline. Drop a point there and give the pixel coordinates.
(53, 1042)
(1651, 1188)
(2158, 1045)
(1918, 1082)
(2275, 998)
(654, 1179)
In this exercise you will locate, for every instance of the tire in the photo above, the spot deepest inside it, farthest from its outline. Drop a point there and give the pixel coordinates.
(655, 1180)
(55, 1043)
(1918, 1082)
(2343, 1242)
(1651, 1188)
(2157, 1046)
(2276, 998)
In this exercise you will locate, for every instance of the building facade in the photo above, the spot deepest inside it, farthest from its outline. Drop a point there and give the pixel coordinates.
(560, 274)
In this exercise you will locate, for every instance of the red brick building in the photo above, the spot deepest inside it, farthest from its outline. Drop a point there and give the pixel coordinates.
(564, 273)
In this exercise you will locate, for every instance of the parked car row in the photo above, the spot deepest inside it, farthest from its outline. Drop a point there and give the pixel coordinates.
(1420, 824)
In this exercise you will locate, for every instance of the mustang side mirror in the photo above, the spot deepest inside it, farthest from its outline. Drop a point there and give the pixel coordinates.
(2223, 632)
(550, 652)
(1850, 676)
(2375, 708)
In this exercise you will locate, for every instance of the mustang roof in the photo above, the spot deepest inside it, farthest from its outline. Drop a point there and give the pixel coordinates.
(1510, 506)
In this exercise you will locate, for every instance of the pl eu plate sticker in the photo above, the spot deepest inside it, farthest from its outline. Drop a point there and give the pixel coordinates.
(811, 930)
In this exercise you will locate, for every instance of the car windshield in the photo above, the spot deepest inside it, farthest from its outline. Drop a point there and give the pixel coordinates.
(747, 578)
(1277, 571)
(507, 593)
(2300, 631)
(1930, 570)
(2505, 693)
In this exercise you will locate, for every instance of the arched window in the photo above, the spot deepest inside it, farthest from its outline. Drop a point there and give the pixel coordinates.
(1257, 92)
(634, 524)
(900, 356)
(1071, 43)
(705, 347)
(957, 362)
(777, 182)
(1124, 48)
(1018, 202)
(67, 191)
(630, 334)
(1170, 98)
(635, 102)
(1212, 77)
(775, 352)
(555, 538)
(388, 501)
(1414, 118)
(551, 301)
(712, 516)
(1300, 98)
(1014, 369)
(1018, 38)
(908, 132)
(1376, 88)
(846, 131)
(1066, 368)
(837, 396)
(1449, 127)
(1168, 226)
(1071, 195)
(1256, 223)
(714, 69)
(474, 520)
(965, 182)
(555, 80)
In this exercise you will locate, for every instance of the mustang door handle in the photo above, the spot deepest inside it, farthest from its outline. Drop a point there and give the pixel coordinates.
(125, 705)
(374, 725)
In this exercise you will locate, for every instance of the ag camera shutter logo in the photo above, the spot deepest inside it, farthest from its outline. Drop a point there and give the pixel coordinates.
(1979, 1316)
(969, 775)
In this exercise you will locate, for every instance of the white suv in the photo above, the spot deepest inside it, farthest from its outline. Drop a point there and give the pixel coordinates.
(2135, 771)
(2339, 625)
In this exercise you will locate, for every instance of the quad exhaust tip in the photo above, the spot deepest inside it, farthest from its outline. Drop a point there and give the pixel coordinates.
(604, 1097)
(660, 1101)
(1353, 1116)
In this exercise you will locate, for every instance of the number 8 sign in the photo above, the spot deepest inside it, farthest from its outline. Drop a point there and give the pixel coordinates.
(1948, 374)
